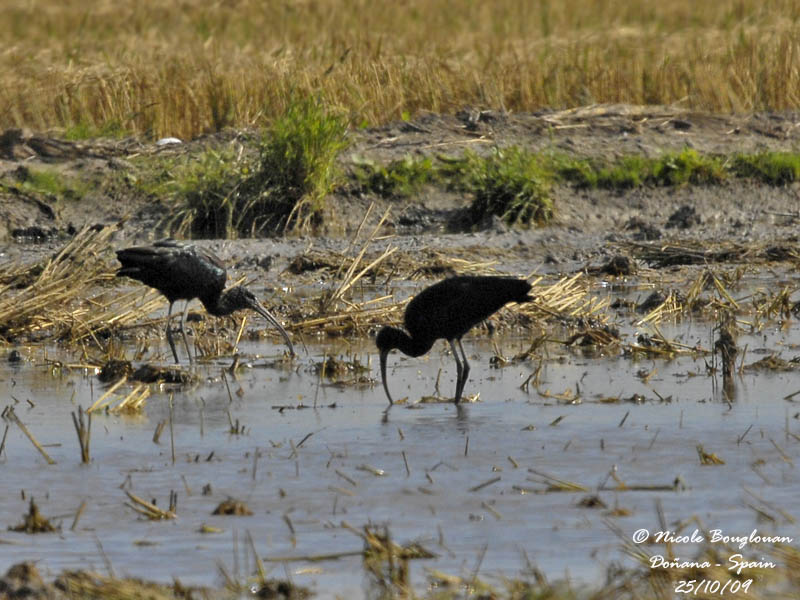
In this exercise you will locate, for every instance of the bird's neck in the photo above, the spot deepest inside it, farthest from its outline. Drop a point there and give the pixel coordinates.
(411, 346)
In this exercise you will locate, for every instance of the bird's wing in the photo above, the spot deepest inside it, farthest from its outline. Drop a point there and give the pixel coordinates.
(433, 308)
(171, 244)
(451, 307)
(178, 270)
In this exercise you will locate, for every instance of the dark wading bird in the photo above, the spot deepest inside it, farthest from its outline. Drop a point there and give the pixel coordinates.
(447, 310)
(184, 272)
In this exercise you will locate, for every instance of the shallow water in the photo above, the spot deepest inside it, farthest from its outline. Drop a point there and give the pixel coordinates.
(301, 497)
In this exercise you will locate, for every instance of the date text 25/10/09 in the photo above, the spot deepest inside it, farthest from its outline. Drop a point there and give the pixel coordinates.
(712, 586)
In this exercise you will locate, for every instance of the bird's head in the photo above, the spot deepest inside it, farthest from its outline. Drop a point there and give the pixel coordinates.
(240, 297)
(387, 340)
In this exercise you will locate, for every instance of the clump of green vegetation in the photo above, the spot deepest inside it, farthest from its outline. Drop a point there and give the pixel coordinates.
(208, 189)
(670, 169)
(688, 166)
(399, 179)
(773, 168)
(48, 182)
(297, 165)
(510, 183)
(628, 172)
(580, 172)
(225, 194)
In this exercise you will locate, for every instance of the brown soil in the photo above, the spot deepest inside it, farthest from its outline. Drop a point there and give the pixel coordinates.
(587, 223)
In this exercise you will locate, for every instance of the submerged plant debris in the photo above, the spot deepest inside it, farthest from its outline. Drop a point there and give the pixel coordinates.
(232, 506)
(34, 521)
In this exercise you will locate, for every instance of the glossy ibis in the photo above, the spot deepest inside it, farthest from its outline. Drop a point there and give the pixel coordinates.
(447, 310)
(184, 272)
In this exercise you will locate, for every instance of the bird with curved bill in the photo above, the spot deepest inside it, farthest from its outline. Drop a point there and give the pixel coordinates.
(185, 271)
(447, 310)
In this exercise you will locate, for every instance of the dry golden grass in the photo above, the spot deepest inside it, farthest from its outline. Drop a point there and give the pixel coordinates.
(163, 68)
(58, 296)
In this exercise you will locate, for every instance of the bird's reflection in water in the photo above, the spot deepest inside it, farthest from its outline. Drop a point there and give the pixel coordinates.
(461, 416)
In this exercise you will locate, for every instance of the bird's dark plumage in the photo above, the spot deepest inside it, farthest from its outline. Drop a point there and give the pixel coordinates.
(447, 310)
(184, 272)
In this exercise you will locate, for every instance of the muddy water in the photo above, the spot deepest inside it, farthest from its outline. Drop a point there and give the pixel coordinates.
(301, 497)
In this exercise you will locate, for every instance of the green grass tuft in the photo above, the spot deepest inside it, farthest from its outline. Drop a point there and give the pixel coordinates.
(671, 169)
(224, 194)
(629, 172)
(208, 191)
(399, 179)
(297, 165)
(510, 183)
(48, 182)
(688, 166)
(772, 168)
(580, 172)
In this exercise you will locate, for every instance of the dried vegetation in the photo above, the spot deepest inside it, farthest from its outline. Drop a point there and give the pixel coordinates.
(156, 69)
(65, 298)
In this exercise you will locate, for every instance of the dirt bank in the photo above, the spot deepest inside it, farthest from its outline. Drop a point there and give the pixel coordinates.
(587, 222)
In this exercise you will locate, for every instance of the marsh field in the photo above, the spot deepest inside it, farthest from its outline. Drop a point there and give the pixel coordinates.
(631, 433)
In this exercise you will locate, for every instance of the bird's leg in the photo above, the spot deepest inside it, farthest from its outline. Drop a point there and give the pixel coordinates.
(459, 369)
(183, 331)
(169, 334)
(465, 370)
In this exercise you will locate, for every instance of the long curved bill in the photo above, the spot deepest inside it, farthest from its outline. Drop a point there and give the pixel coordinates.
(268, 316)
(384, 355)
